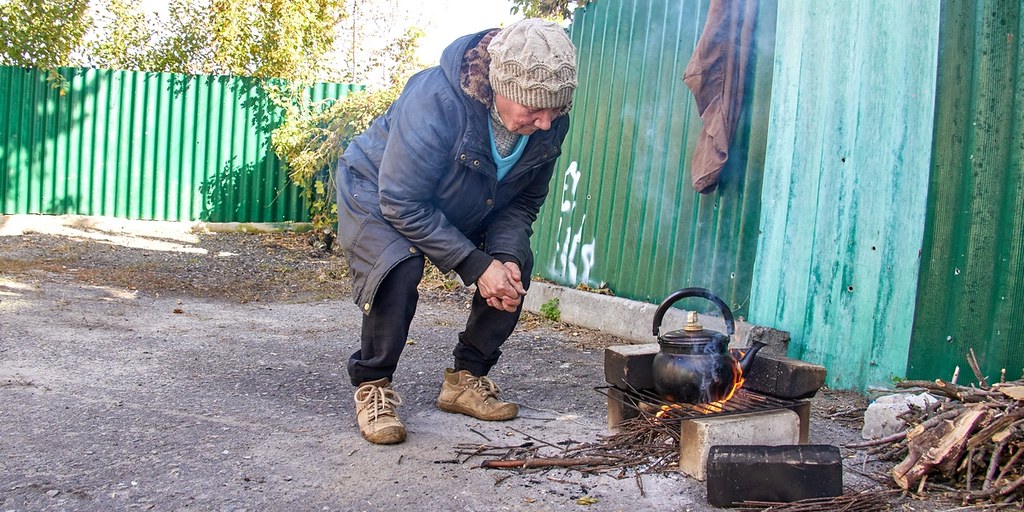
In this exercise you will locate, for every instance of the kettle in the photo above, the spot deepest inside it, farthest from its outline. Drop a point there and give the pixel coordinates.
(694, 365)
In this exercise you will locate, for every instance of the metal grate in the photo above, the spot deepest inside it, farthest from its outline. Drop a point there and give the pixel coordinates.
(649, 402)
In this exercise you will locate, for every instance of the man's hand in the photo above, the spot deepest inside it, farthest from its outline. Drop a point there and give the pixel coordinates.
(501, 285)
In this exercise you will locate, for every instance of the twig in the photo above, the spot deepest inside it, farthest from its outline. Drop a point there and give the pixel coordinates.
(479, 434)
(545, 463)
(970, 460)
(1010, 463)
(536, 439)
(973, 361)
(993, 465)
(998, 491)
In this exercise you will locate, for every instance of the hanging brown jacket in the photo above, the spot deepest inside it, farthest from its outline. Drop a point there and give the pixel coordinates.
(717, 75)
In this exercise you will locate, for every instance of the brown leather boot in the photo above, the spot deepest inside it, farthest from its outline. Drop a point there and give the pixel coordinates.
(464, 393)
(375, 412)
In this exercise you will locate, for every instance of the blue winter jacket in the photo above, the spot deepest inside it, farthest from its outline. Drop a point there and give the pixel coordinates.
(421, 179)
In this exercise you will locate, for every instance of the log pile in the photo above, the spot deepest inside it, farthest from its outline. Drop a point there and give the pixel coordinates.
(970, 442)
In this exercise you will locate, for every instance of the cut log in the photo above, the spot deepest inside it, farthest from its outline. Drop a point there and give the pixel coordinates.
(1014, 392)
(934, 447)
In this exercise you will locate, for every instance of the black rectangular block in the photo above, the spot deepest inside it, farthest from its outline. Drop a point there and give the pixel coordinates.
(783, 377)
(629, 366)
(773, 473)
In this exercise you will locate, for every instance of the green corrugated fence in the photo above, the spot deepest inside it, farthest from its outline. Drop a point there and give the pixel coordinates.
(971, 290)
(154, 146)
(622, 212)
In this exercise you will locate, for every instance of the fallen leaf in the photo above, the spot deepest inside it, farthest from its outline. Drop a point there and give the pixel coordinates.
(586, 500)
(178, 311)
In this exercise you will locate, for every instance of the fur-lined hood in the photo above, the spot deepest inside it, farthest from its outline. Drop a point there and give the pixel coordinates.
(466, 63)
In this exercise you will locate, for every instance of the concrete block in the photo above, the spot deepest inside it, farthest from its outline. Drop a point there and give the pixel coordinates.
(697, 436)
(882, 417)
(621, 407)
(773, 473)
(629, 366)
(803, 411)
(782, 377)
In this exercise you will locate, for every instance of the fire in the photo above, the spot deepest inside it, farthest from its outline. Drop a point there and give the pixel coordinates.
(668, 411)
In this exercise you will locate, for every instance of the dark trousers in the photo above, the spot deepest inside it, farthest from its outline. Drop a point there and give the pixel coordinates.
(386, 327)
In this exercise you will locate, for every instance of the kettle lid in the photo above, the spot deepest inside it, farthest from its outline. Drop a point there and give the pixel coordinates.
(692, 332)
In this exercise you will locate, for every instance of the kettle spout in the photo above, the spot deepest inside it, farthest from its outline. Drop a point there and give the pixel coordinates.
(748, 357)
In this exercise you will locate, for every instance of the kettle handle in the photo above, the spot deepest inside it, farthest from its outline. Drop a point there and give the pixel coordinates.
(730, 325)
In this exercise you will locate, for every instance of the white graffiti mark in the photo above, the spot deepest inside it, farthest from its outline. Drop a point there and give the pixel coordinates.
(567, 245)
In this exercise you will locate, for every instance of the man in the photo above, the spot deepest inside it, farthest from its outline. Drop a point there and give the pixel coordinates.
(455, 170)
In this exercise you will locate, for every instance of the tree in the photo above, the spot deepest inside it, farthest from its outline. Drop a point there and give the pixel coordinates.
(293, 40)
(125, 41)
(550, 9)
(41, 33)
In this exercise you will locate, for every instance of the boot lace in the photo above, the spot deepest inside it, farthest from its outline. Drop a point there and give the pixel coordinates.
(382, 401)
(484, 386)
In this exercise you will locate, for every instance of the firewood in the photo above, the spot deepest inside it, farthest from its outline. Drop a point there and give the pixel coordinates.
(950, 390)
(929, 448)
(993, 465)
(985, 435)
(548, 462)
(997, 491)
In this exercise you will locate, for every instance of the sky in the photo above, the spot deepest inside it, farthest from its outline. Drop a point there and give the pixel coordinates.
(445, 20)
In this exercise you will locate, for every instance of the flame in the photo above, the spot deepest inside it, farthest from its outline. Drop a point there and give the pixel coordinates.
(668, 411)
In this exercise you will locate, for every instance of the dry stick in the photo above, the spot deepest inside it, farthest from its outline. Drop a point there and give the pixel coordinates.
(544, 463)
(479, 434)
(934, 420)
(1010, 463)
(998, 491)
(538, 440)
(970, 461)
(1001, 423)
(993, 464)
(951, 390)
(973, 361)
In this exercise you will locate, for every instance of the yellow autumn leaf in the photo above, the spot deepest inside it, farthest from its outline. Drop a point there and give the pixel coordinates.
(586, 500)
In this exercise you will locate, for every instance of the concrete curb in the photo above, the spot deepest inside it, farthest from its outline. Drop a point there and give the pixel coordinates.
(634, 320)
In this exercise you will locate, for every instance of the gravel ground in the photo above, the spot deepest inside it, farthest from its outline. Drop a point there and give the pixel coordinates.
(159, 366)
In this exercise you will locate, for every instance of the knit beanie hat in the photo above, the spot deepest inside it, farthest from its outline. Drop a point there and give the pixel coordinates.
(533, 63)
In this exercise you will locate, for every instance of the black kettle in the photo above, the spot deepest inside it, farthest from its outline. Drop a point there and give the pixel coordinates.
(694, 364)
